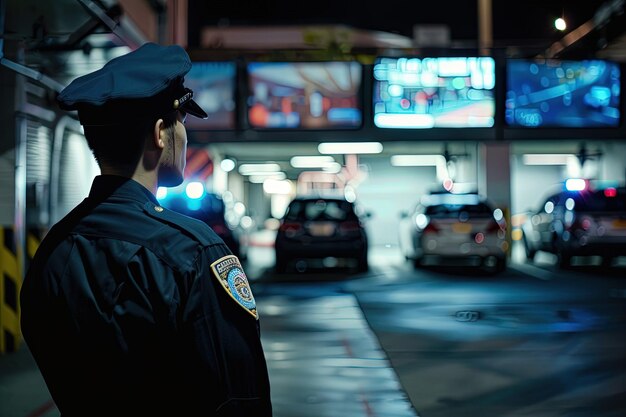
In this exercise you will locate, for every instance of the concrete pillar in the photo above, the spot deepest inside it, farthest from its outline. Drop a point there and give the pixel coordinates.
(494, 178)
(177, 22)
(613, 162)
(12, 202)
(485, 25)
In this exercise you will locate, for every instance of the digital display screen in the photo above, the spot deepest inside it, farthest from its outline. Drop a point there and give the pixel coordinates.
(562, 93)
(423, 93)
(213, 85)
(304, 95)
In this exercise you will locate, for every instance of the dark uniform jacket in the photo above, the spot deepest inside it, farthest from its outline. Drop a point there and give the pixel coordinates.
(126, 316)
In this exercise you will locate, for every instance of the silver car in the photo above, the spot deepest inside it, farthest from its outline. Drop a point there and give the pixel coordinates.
(455, 229)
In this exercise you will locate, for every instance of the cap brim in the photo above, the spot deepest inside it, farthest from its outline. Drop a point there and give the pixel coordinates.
(192, 108)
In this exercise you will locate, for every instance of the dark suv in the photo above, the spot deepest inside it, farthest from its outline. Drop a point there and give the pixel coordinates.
(585, 222)
(210, 209)
(321, 232)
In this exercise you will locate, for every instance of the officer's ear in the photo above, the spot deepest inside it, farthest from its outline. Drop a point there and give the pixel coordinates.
(159, 134)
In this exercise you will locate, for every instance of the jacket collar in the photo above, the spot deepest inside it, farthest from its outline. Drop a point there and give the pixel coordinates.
(106, 186)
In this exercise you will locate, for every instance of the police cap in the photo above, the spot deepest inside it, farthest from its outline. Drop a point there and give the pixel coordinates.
(147, 82)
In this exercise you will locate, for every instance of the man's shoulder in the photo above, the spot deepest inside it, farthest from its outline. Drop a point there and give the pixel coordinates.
(177, 222)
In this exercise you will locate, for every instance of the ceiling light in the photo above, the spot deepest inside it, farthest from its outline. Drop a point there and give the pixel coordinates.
(318, 161)
(417, 160)
(272, 186)
(547, 159)
(560, 24)
(332, 168)
(350, 147)
(259, 178)
(246, 169)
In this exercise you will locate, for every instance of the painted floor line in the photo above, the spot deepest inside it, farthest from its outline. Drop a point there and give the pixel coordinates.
(533, 271)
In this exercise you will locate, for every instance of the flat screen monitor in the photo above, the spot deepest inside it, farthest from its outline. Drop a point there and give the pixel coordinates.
(442, 92)
(304, 95)
(562, 93)
(213, 84)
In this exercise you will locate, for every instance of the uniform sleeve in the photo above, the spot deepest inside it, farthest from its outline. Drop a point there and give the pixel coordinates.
(225, 357)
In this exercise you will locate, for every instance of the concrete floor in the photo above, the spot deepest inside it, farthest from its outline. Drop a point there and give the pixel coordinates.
(323, 359)
(384, 343)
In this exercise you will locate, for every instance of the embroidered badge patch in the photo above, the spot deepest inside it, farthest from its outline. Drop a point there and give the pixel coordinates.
(230, 274)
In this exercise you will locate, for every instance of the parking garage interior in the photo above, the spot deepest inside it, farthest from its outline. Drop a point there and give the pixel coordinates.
(396, 340)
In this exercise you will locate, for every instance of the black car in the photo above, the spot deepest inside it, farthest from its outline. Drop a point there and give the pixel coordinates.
(210, 209)
(321, 232)
(584, 222)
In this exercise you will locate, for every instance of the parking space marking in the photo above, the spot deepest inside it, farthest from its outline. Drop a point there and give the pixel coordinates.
(533, 271)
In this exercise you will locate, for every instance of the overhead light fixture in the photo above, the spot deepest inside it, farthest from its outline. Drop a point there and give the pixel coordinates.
(247, 169)
(333, 168)
(547, 158)
(258, 178)
(560, 24)
(417, 160)
(317, 161)
(272, 186)
(350, 147)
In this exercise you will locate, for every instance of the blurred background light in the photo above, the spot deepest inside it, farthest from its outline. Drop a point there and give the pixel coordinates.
(227, 165)
(194, 190)
(161, 193)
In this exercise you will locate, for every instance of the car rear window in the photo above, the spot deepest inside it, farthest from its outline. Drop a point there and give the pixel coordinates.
(336, 210)
(455, 210)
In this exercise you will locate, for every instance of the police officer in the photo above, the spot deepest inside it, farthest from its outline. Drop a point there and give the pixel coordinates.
(130, 309)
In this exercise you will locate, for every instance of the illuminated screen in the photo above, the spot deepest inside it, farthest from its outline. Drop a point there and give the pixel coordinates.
(304, 95)
(555, 93)
(422, 93)
(213, 85)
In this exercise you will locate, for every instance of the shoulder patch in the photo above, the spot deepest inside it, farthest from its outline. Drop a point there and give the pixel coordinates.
(229, 273)
(197, 228)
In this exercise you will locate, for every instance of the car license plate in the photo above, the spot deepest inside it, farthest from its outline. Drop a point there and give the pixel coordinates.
(322, 229)
(461, 228)
(619, 223)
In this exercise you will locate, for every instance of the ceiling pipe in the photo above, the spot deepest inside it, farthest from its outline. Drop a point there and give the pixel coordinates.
(131, 38)
(20, 68)
(602, 17)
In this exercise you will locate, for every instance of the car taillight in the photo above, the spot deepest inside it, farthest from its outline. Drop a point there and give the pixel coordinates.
(290, 227)
(494, 226)
(219, 229)
(349, 226)
(430, 228)
(610, 192)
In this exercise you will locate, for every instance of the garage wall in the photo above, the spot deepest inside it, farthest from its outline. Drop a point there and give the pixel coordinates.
(386, 192)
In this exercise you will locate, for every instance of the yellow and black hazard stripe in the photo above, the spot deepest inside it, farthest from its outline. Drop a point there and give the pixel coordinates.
(33, 240)
(10, 282)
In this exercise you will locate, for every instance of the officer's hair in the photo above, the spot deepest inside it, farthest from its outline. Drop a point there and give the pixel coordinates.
(122, 145)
